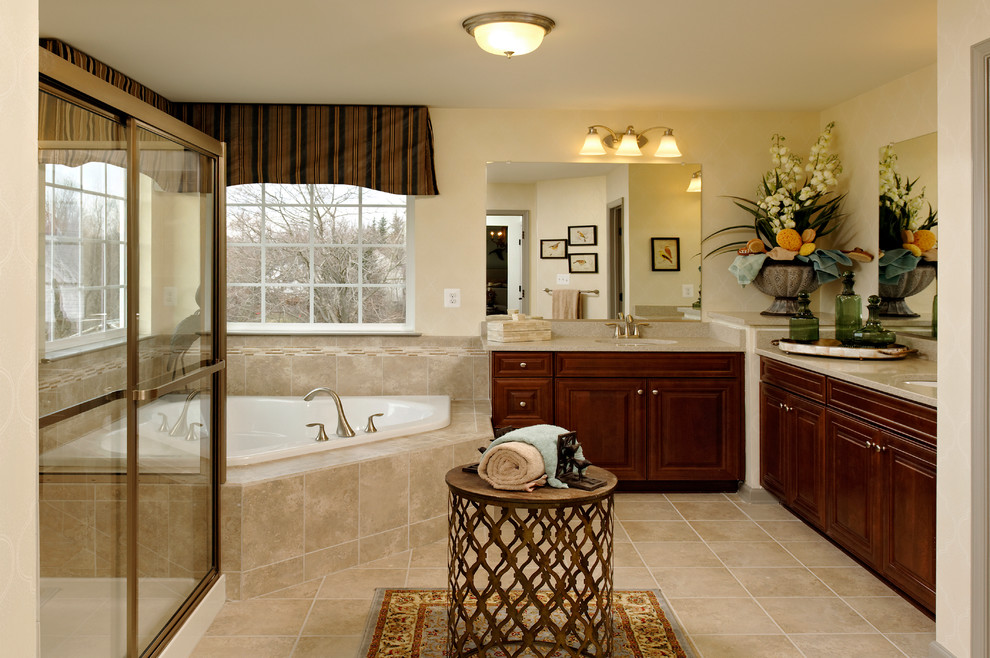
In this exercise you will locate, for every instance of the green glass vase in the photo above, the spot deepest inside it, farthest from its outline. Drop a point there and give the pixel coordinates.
(848, 310)
(872, 334)
(935, 316)
(803, 325)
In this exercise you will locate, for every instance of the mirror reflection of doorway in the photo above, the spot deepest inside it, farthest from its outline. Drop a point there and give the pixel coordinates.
(616, 263)
(506, 266)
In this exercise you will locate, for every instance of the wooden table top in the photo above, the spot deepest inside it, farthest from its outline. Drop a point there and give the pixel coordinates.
(471, 486)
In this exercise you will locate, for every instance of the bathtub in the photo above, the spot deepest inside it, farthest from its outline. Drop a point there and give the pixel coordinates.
(259, 429)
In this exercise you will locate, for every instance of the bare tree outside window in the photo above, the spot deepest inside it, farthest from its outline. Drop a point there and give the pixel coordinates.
(317, 255)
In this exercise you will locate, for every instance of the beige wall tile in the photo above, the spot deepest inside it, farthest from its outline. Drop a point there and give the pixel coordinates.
(451, 375)
(271, 577)
(376, 547)
(331, 507)
(266, 374)
(311, 371)
(272, 522)
(482, 377)
(359, 375)
(236, 364)
(230, 527)
(427, 488)
(384, 495)
(405, 375)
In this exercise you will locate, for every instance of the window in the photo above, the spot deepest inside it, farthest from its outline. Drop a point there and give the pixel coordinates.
(317, 257)
(84, 218)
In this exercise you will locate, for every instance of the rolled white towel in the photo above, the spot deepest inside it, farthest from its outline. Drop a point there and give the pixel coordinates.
(513, 466)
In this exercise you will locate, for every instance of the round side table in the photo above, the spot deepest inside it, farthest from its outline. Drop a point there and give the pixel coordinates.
(529, 571)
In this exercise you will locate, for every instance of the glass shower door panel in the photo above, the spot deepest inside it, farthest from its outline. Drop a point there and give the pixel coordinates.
(82, 169)
(175, 229)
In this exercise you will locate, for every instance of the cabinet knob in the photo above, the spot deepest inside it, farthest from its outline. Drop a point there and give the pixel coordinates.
(878, 448)
(655, 392)
(869, 444)
(639, 391)
(522, 365)
(522, 404)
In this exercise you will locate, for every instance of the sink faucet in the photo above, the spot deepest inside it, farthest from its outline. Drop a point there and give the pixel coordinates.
(179, 429)
(343, 427)
(632, 327)
(620, 328)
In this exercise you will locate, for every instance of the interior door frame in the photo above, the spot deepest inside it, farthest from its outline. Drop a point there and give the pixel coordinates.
(524, 285)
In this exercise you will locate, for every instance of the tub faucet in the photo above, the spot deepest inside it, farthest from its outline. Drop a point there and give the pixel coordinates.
(343, 427)
(179, 429)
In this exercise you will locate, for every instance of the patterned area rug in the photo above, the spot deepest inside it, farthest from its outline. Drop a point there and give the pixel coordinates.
(412, 623)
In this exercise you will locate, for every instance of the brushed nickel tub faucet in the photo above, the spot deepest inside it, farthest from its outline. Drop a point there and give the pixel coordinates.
(343, 427)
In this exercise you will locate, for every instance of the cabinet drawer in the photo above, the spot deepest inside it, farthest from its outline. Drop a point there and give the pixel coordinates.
(795, 380)
(522, 402)
(649, 364)
(908, 418)
(521, 364)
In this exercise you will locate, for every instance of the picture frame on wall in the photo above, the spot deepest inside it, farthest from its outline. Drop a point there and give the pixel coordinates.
(582, 263)
(584, 236)
(554, 248)
(666, 254)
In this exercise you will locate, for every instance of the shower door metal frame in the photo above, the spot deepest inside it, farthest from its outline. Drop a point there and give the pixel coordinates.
(78, 86)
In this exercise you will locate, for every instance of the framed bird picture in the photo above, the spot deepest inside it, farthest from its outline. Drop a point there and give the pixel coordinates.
(666, 254)
(586, 263)
(583, 236)
(553, 248)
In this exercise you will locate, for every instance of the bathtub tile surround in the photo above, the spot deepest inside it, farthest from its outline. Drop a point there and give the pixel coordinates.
(292, 520)
(353, 365)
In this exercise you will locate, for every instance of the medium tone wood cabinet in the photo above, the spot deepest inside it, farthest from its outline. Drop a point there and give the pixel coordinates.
(857, 464)
(659, 421)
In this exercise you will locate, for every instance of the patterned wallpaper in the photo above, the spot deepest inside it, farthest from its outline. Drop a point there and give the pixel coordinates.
(18, 370)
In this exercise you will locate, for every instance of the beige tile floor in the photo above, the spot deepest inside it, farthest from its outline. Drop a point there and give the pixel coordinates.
(743, 580)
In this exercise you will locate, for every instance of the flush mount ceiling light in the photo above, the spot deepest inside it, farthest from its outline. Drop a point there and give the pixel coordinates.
(694, 185)
(630, 142)
(508, 32)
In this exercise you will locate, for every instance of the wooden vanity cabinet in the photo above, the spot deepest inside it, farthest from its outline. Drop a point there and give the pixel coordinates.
(865, 458)
(522, 388)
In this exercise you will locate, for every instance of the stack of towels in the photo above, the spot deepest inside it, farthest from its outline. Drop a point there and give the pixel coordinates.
(523, 459)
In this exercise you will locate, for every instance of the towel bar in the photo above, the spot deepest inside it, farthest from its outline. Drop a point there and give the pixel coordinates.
(583, 292)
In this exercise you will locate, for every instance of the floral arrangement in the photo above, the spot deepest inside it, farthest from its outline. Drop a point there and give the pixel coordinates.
(903, 222)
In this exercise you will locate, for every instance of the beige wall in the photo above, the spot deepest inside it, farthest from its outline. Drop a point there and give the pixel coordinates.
(732, 147)
(18, 340)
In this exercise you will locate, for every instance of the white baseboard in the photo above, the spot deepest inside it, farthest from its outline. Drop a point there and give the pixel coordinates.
(756, 495)
(194, 628)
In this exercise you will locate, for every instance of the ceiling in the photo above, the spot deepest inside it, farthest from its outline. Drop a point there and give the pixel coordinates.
(629, 55)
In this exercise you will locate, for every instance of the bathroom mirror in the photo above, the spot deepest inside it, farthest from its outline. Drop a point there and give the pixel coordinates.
(916, 161)
(627, 235)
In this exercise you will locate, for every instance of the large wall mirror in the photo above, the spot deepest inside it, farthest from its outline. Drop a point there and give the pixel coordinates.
(907, 299)
(627, 235)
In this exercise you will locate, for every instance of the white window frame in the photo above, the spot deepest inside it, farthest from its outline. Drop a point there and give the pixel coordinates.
(323, 328)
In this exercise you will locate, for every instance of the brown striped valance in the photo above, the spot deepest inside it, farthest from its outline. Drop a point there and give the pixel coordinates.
(387, 148)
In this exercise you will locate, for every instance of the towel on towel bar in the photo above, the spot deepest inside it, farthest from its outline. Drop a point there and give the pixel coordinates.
(513, 466)
(566, 304)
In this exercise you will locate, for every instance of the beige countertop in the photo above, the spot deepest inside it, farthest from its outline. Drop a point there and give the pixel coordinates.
(589, 344)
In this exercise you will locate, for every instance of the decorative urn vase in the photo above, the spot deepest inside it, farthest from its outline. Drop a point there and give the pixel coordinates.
(783, 280)
(909, 283)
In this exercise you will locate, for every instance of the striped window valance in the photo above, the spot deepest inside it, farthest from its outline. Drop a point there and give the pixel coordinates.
(387, 148)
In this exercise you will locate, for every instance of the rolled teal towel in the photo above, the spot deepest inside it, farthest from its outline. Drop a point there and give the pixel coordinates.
(826, 262)
(745, 268)
(544, 439)
(894, 263)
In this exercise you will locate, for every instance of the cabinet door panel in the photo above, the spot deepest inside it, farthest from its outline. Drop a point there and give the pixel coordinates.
(909, 518)
(609, 418)
(773, 441)
(854, 514)
(695, 429)
(522, 402)
(807, 459)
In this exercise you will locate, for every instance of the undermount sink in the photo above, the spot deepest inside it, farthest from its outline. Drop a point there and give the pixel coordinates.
(635, 342)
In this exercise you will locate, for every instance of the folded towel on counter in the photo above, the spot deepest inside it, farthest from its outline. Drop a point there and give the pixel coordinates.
(894, 263)
(566, 304)
(544, 439)
(745, 268)
(513, 466)
(826, 262)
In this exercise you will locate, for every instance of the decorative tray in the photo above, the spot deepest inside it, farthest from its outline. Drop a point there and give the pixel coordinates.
(833, 348)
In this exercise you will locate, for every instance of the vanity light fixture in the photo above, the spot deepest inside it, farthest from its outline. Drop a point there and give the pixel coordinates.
(508, 32)
(694, 185)
(629, 142)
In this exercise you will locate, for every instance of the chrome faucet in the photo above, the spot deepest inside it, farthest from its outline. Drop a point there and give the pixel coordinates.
(179, 429)
(632, 327)
(620, 329)
(343, 427)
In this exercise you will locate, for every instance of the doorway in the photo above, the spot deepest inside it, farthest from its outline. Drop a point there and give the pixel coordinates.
(616, 263)
(507, 268)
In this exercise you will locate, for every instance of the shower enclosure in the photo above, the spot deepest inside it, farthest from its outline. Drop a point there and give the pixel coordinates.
(131, 367)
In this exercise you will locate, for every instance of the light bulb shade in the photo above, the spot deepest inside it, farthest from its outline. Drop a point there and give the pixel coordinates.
(592, 144)
(629, 144)
(668, 146)
(694, 185)
(508, 33)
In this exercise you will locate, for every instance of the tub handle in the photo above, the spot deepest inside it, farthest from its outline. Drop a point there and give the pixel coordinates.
(371, 423)
(164, 426)
(322, 434)
(192, 434)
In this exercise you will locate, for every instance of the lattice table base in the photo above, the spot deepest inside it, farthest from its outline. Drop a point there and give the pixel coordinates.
(540, 564)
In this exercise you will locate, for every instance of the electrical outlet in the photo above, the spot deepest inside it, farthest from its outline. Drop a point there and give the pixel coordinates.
(170, 296)
(687, 290)
(451, 297)
(563, 279)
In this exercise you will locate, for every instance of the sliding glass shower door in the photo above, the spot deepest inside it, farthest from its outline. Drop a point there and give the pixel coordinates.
(131, 378)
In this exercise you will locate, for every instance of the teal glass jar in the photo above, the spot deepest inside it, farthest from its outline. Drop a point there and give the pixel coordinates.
(848, 310)
(872, 334)
(803, 325)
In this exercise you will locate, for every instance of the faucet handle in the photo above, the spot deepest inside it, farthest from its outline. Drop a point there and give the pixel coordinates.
(164, 426)
(618, 329)
(322, 434)
(371, 423)
(192, 434)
